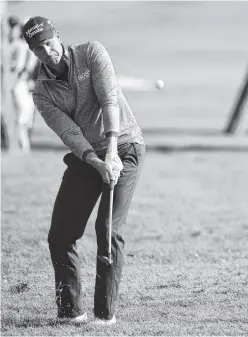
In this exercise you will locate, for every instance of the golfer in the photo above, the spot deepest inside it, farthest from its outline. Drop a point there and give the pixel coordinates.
(79, 97)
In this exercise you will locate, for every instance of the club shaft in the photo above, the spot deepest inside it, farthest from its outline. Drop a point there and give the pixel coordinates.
(110, 222)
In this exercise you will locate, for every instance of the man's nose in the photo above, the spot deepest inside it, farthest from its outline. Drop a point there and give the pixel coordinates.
(46, 49)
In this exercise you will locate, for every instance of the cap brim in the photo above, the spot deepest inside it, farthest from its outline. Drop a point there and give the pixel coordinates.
(33, 42)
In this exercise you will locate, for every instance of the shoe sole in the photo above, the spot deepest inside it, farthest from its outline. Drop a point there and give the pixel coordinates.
(77, 320)
(99, 321)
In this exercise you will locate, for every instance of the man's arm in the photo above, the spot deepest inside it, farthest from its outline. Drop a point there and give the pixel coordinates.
(72, 136)
(112, 138)
(63, 126)
(104, 82)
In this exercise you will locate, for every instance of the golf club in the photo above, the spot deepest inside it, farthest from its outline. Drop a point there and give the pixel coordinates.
(108, 259)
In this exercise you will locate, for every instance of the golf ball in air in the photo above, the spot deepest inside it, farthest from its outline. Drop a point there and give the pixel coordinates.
(159, 84)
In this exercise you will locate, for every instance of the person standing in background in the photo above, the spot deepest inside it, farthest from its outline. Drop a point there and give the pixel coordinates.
(22, 65)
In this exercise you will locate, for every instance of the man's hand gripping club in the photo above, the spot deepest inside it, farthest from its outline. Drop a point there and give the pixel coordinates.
(112, 159)
(115, 165)
(109, 169)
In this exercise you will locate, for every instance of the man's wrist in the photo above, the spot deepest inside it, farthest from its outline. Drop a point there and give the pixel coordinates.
(112, 145)
(111, 155)
(90, 153)
(93, 160)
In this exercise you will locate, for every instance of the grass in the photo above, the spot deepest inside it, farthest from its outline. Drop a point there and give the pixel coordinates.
(186, 257)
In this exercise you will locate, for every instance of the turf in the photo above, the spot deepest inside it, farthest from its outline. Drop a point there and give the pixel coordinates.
(186, 257)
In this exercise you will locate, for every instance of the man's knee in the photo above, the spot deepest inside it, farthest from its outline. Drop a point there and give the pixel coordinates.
(55, 241)
(59, 241)
(117, 239)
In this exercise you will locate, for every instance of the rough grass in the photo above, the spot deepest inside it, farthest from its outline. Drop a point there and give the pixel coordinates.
(186, 257)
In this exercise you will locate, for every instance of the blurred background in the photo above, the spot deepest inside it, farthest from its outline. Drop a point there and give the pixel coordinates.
(199, 49)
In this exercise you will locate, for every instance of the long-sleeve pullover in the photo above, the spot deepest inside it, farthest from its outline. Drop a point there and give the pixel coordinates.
(91, 104)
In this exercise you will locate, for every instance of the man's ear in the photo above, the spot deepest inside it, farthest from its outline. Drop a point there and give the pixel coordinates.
(58, 36)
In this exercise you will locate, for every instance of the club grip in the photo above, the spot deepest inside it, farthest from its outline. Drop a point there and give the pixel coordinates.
(112, 184)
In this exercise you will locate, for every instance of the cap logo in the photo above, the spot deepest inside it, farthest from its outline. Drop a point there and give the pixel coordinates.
(34, 30)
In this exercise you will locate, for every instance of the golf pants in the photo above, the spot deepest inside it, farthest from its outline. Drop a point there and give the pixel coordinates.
(78, 194)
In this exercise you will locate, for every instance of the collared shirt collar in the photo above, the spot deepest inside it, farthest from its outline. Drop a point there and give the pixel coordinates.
(50, 75)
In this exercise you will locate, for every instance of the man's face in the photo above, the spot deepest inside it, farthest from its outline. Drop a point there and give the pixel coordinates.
(49, 51)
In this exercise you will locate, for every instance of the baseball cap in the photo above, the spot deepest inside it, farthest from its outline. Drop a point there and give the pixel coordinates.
(37, 29)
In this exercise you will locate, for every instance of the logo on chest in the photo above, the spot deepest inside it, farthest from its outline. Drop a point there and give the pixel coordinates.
(84, 76)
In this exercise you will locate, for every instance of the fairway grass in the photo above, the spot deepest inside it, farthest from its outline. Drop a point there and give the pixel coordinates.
(186, 248)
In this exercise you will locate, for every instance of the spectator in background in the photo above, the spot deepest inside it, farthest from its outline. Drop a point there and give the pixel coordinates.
(4, 129)
(23, 64)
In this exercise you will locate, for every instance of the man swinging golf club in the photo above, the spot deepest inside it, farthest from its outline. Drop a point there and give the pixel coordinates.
(79, 97)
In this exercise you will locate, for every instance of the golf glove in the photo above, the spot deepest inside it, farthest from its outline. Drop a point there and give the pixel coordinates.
(115, 163)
